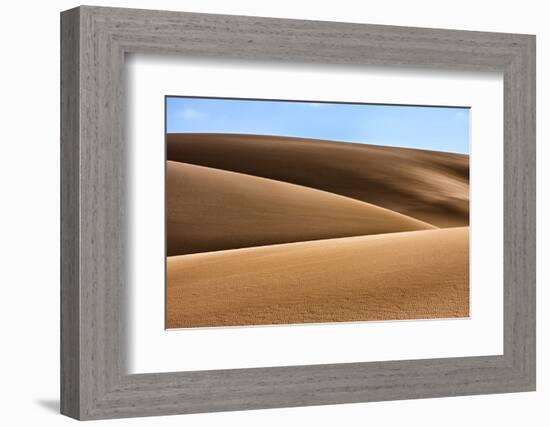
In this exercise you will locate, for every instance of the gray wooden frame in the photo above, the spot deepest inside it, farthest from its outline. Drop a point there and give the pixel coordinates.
(94, 382)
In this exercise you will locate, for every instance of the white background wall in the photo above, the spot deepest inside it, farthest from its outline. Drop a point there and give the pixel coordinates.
(29, 213)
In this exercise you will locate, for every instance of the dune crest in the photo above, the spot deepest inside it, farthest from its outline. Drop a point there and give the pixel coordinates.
(407, 275)
(427, 185)
(211, 209)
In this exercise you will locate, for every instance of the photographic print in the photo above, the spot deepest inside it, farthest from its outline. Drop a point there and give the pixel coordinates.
(293, 212)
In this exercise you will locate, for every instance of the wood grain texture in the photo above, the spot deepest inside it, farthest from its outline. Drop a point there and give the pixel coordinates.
(94, 379)
(70, 291)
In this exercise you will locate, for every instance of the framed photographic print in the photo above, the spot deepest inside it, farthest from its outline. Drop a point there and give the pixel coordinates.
(263, 213)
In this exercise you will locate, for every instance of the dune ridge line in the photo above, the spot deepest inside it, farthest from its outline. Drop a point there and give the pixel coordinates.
(211, 209)
(408, 275)
(427, 185)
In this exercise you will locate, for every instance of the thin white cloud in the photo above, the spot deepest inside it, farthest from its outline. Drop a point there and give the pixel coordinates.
(192, 114)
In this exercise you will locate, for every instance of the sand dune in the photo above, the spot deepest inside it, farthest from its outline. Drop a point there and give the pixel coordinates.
(427, 185)
(210, 209)
(408, 275)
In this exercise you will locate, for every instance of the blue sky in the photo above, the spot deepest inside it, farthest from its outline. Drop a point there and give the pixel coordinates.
(430, 128)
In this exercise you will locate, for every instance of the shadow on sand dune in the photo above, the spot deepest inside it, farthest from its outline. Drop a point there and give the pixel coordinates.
(277, 230)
